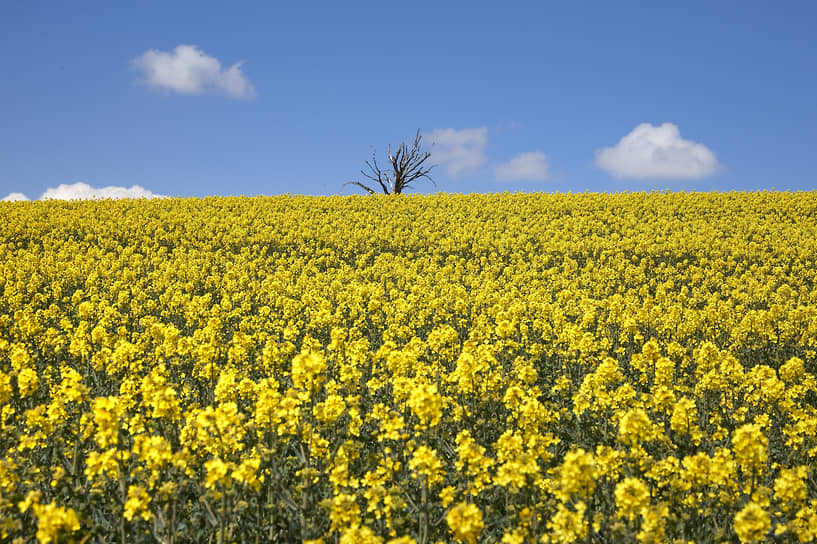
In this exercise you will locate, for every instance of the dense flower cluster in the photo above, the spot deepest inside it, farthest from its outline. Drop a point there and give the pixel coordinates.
(512, 368)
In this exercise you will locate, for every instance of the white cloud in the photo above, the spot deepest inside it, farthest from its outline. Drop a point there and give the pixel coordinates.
(458, 151)
(15, 197)
(187, 70)
(526, 166)
(85, 191)
(657, 152)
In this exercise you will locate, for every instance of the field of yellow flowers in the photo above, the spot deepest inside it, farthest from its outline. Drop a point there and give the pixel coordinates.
(511, 368)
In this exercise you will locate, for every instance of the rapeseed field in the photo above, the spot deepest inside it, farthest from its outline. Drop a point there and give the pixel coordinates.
(515, 368)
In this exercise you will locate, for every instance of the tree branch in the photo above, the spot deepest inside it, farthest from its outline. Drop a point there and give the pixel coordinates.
(405, 166)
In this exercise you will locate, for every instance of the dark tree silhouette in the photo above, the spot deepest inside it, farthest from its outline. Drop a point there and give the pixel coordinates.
(406, 165)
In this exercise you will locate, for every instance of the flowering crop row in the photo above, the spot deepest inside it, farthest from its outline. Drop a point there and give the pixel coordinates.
(518, 368)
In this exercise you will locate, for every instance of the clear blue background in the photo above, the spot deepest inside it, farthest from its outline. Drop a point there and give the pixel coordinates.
(334, 79)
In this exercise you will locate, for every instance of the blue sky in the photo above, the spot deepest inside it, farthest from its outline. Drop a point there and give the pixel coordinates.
(516, 96)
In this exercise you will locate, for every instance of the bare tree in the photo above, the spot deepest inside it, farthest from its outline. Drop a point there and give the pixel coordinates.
(405, 166)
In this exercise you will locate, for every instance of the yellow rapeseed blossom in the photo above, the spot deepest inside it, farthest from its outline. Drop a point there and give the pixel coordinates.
(137, 504)
(425, 462)
(790, 488)
(632, 495)
(53, 520)
(685, 418)
(330, 410)
(635, 427)
(361, 535)
(653, 524)
(218, 473)
(568, 525)
(750, 447)
(507, 367)
(107, 414)
(752, 523)
(465, 522)
(426, 404)
(307, 370)
(345, 512)
(27, 381)
(6, 390)
(471, 459)
(576, 475)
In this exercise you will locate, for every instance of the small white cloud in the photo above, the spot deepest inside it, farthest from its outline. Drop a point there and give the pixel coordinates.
(657, 152)
(526, 166)
(187, 70)
(83, 191)
(460, 152)
(15, 197)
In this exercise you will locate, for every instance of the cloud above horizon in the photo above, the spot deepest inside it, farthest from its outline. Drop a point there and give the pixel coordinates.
(15, 197)
(525, 167)
(459, 152)
(83, 191)
(188, 70)
(657, 152)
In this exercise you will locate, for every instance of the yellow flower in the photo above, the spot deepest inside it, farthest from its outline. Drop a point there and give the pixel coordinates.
(185, 345)
(102, 463)
(632, 494)
(267, 415)
(247, 473)
(447, 495)
(515, 536)
(792, 371)
(155, 451)
(27, 381)
(684, 416)
(752, 523)
(471, 458)
(653, 524)
(54, 520)
(593, 393)
(6, 391)
(137, 504)
(790, 487)
(159, 396)
(391, 426)
(308, 370)
(359, 535)
(635, 427)
(71, 388)
(217, 473)
(576, 475)
(465, 521)
(425, 462)
(220, 429)
(19, 357)
(344, 512)
(329, 410)
(723, 469)
(504, 329)
(107, 414)
(402, 540)
(568, 526)
(426, 403)
(226, 390)
(805, 524)
(664, 372)
(750, 447)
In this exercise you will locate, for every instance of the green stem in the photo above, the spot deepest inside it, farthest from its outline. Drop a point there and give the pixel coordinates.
(222, 517)
(173, 523)
(423, 513)
(123, 493)
(270, 495)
